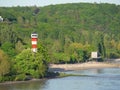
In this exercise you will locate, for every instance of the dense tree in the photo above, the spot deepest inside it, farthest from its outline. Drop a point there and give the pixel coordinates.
(32, 64)
(4, 64)
(8, 48)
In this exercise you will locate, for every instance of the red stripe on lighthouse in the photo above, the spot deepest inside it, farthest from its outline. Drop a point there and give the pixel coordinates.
(34, 39)
(34, 46)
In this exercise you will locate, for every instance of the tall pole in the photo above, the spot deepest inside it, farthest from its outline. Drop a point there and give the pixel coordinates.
(34, 38)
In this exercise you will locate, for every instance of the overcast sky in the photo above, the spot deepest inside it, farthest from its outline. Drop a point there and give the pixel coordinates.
(10, 3)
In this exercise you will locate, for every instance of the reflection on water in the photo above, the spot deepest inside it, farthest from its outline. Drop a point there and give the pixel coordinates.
(31, 85)
(97, 79)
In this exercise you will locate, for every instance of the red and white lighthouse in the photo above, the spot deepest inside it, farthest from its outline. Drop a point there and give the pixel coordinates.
(34, 38)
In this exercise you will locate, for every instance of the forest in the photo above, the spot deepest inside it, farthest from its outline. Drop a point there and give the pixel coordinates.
(67, 33)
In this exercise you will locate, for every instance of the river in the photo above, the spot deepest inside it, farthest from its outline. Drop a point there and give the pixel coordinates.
(95, 79)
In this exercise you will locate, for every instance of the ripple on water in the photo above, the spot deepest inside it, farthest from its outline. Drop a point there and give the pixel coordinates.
(96, 79)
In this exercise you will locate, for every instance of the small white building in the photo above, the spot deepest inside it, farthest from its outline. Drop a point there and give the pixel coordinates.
(1, 19)
(94, 54)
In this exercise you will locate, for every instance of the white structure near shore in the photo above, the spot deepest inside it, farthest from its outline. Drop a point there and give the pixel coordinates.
(94, 54)
(1, 19)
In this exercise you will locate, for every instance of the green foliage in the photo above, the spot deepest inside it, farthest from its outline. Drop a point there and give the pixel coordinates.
(60, 58)
(58, 26)
(6, 78)
(7, 34)
(79, 52)
(114, 55)
(4, 64)
(8, 48)
(20, 77)
(33, 64)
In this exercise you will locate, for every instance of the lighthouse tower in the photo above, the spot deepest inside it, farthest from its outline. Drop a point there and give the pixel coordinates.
(34, 38)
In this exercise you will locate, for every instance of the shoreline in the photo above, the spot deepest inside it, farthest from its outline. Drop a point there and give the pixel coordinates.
(67, 67)
(18, 82)
(82, 66)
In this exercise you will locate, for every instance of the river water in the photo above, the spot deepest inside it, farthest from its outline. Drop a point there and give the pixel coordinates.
(95, 79)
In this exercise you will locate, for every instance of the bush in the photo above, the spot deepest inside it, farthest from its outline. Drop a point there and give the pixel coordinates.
(20, 77)
(29, 63)
(6, 78)
(4, 64)
(114, 55)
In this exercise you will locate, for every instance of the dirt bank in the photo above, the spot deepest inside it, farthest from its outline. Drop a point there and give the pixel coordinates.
(82, 66)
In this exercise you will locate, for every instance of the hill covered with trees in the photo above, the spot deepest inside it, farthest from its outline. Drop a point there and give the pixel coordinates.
(67, 32)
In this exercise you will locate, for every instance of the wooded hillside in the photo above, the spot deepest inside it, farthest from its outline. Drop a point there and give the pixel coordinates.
(68, 31)
(64, 29)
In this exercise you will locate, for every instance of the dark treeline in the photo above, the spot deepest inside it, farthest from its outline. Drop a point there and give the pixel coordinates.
(68, 33)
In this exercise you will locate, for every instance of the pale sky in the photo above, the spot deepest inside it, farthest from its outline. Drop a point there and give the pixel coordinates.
(9, 3)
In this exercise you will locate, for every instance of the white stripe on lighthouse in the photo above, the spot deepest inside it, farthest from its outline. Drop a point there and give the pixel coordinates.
(34, 42)
(34, 49)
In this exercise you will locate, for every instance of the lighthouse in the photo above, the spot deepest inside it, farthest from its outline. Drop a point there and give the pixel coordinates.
(34, 38)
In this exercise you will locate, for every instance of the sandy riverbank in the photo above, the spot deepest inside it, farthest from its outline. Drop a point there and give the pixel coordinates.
(81, 66)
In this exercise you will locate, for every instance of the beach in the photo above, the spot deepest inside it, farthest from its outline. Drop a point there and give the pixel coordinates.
(82, 66)
(77, 66)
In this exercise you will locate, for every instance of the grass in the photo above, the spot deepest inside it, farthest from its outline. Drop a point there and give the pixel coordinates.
(67, 75)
